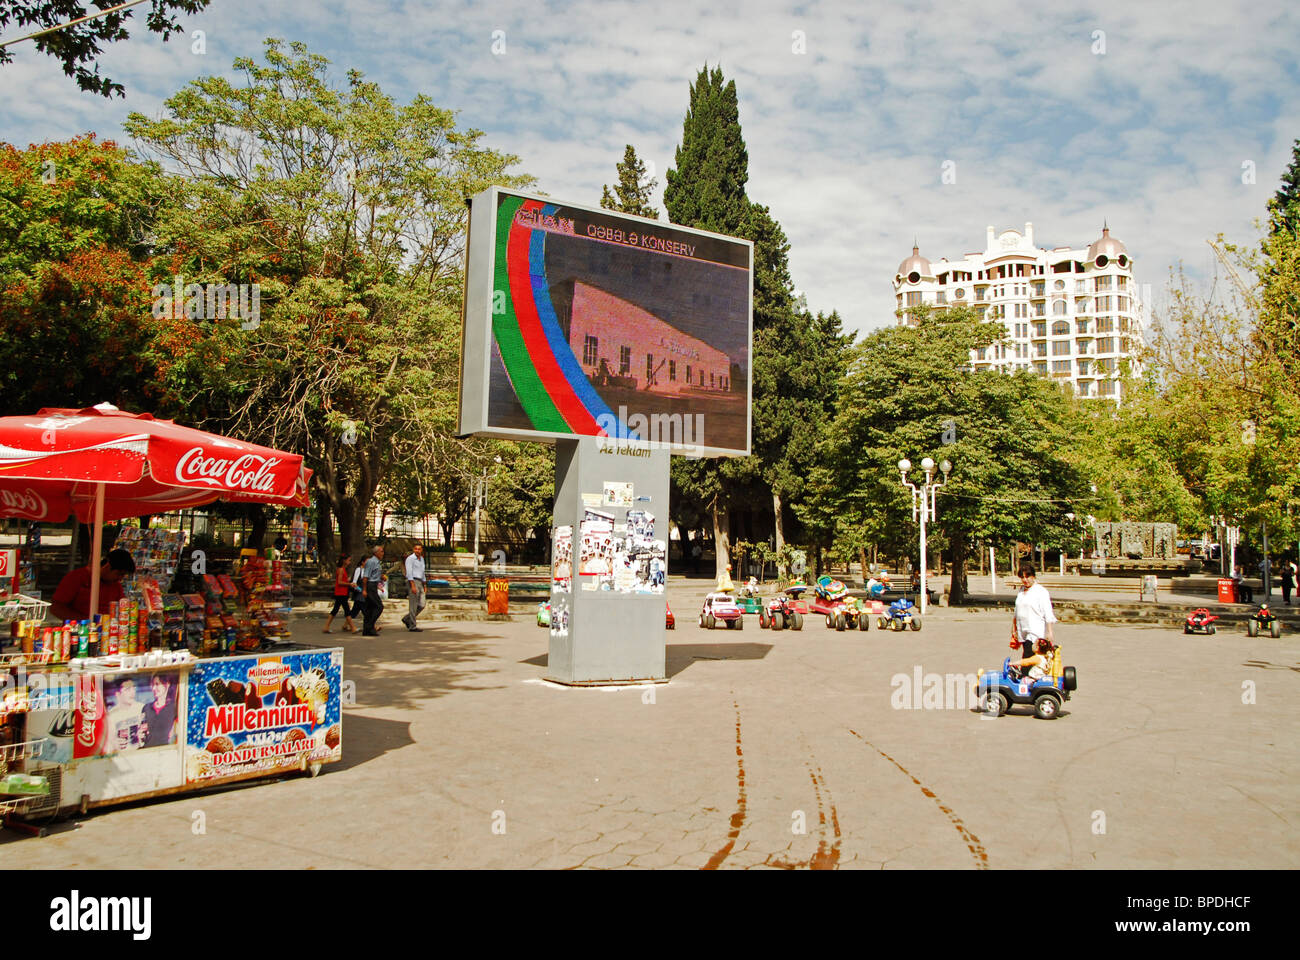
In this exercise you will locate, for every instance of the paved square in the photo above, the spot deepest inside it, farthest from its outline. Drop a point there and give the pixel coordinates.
(779, 750)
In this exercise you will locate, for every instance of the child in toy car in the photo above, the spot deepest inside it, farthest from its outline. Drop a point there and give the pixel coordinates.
(1035, 666)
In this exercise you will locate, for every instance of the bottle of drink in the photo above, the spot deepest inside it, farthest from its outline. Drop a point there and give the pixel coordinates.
(83, 639)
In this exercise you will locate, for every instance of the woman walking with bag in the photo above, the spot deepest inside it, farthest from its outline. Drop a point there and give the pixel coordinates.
(342, 597)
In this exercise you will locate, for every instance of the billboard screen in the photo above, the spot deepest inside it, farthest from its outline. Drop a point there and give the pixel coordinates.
(585, 322)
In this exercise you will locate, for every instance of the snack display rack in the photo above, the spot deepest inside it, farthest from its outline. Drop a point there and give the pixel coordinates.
(156, 551)
(22, 607)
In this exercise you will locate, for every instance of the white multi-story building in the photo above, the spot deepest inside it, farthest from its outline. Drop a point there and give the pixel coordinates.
(1071, 314)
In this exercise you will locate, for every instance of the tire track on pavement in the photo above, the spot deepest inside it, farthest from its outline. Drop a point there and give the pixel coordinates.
(827, 856)
(973, 844)
(737, 818)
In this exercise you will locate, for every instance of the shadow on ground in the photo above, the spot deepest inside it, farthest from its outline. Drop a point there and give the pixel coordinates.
(369, 738)
(399, 668)
(679, 656)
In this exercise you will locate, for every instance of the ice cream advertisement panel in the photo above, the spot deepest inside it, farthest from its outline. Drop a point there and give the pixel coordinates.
(260, 714)
(582, 322)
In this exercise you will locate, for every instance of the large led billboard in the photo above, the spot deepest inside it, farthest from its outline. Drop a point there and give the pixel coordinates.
(586, 322)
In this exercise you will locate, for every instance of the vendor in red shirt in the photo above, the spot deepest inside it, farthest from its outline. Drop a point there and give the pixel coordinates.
(72, 599)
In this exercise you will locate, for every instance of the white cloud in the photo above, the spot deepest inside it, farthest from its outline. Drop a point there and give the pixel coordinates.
(846, 142)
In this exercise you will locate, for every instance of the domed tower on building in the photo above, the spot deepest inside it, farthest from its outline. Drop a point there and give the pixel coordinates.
(1072, 314)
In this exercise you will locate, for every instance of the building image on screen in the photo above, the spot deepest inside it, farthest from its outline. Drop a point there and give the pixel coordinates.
(603, 330)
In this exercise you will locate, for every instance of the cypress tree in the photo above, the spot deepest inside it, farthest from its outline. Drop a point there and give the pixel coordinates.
(707, 187)
(1284, 208)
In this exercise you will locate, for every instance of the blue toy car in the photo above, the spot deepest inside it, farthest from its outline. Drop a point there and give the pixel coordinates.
(900, 615)
(998, 691)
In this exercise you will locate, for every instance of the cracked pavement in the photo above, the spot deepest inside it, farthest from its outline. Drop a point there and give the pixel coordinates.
(764, 751)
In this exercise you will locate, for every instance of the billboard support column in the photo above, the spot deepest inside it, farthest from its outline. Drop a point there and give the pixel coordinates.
(609, 563)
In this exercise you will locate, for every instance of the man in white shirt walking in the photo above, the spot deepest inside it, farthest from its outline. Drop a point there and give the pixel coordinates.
(1033, 617)
(415, 584)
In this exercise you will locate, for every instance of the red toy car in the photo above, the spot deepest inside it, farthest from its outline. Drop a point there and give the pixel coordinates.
(785, 611)
(671, 622)
(1200, 620)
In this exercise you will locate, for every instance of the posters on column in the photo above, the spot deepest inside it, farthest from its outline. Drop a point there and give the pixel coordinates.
(596, 553)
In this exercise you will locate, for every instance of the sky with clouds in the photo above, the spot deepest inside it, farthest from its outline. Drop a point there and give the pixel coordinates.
(1144, 114)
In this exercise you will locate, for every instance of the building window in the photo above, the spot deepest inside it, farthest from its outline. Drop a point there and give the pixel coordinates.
(1060, 366)
(1040, 309)
(1103, 283)
(1083, 368)
(1039, 288)
(1105, 324)
(1040, 349)
(589, 348)
(672, 370)
(649, 368)
(1060, 348)
(1084, 386)
(982, 353)
(1040, 366)
(914, 298)
(1040, 329)
(941, 296)
(1103, 303)
(688, 373)
(1122, 283)
(1060, 329)
(624, 361)
(1108, 388)
(1106, 345)
(1058, 308)
(1121, 303)
(1081, 326)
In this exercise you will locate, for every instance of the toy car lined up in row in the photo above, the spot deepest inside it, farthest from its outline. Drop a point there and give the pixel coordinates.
(721, 608)
(900, 615)
(784, 610)
(830, 599)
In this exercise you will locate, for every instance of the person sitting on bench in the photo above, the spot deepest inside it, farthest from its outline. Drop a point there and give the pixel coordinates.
(1244, 593)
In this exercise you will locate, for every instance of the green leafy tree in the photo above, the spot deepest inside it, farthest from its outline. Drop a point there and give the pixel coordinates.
(75, 251)
(347, 210)
(633, 192)
(76, 46)
(908, 393)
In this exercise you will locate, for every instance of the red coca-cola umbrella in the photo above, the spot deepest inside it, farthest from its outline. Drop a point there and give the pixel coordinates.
(103, 464)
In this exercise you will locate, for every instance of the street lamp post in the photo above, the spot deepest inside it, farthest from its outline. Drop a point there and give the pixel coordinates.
(923, 505)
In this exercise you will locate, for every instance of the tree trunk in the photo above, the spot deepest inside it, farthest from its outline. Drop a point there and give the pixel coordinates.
(721, 539)
(352, 528)
(779, 527)
(257, 535)
(957, 585)
(862, 560)
(325, 548)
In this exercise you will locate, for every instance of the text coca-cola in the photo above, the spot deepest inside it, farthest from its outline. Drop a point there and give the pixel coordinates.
(248, 472)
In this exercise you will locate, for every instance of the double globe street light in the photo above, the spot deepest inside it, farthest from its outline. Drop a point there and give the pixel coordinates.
(923, 505)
